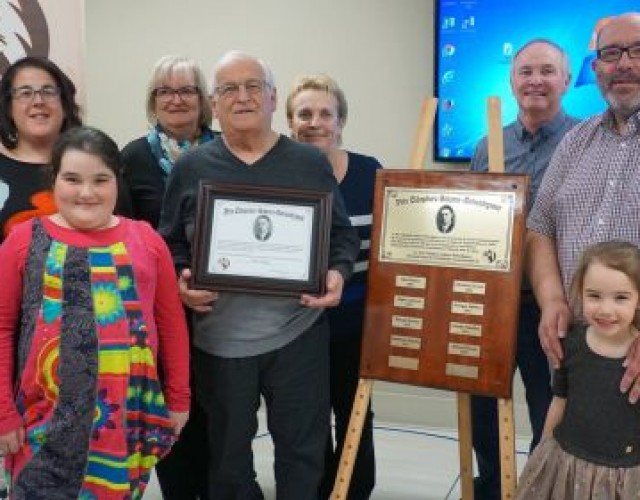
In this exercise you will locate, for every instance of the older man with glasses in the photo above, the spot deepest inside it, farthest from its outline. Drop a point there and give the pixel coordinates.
(591, 190)
(249, 345)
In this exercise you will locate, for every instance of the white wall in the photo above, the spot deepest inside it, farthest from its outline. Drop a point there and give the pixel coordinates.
(380, 51)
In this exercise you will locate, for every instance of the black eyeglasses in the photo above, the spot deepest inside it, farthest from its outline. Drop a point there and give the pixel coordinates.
(613, 53)
(184, 93)
(27, 93)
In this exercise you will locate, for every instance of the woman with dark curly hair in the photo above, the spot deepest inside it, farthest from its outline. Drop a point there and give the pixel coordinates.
(37, 104)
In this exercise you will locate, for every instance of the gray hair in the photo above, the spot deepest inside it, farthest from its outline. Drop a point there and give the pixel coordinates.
(566, 66)
(164, 69)
(237, 55)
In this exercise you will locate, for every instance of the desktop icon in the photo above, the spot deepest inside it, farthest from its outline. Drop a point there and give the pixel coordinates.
(448, 22)
(448, 50)
(469, 23)
(448, 76)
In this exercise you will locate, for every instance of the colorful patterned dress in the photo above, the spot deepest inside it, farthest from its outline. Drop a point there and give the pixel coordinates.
(87, 390)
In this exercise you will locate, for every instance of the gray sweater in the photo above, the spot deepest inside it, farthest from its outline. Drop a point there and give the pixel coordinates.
(243, 324)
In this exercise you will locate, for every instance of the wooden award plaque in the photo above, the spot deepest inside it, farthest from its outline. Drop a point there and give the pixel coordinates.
(445, 272)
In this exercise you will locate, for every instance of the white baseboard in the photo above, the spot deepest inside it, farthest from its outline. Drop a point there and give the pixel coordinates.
(424, 407)
(418, 406)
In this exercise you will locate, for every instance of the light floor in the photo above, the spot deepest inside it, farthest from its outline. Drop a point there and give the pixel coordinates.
(412, 464)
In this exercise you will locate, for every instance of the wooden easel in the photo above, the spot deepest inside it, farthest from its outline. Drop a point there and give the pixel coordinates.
(365, 386)
(506, 424)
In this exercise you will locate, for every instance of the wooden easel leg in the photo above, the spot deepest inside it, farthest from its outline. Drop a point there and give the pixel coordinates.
(465, 448)
(352, 440)
(507, 448)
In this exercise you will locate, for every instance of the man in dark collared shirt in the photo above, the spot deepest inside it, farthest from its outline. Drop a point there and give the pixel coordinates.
(540, 75)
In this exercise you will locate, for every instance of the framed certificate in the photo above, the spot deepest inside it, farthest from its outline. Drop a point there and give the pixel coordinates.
(261, 239)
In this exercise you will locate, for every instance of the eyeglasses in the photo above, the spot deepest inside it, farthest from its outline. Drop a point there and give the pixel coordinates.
(184, 93)
(613, 54)
(27, 93)
(251, 87)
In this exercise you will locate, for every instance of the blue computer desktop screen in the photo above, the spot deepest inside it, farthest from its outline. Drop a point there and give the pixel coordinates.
(474, 44)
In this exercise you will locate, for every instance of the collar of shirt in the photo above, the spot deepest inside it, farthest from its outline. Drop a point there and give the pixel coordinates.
(545, 130)
(608, 121)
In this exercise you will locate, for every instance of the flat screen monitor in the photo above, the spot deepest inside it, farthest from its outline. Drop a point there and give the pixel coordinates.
(474, 43)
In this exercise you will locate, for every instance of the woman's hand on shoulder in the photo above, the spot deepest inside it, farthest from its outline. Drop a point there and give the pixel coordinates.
(198, 300)
(12, 441)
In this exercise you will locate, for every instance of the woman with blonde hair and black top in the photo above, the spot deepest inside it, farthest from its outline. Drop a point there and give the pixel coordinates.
(317, 113)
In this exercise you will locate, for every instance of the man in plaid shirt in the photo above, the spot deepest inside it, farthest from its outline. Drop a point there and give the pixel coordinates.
(591, 190)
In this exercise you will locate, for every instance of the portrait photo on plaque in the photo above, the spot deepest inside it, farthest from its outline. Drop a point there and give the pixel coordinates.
(261, 239)
(445, 219)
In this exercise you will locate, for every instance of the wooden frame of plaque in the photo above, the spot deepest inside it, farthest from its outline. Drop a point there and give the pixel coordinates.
(445, 273)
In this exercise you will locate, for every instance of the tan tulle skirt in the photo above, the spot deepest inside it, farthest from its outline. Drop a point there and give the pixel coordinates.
(553, 474)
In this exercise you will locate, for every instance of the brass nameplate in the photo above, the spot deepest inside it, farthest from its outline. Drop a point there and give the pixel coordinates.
(406, 322)
(467, 329)
(469, 350)
(457, 370)
(415, 282)
(447, 227)
(408, 302)
(474, 287)
(470, 308)
(404, 362)
(406, 342)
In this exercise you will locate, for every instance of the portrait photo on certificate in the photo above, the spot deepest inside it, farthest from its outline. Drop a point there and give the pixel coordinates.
(261, 239)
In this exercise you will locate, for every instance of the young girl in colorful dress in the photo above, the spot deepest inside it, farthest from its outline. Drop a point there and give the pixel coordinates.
(591, 441)
(88, 304)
